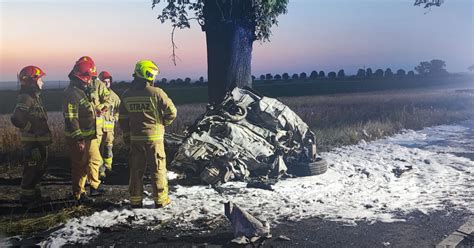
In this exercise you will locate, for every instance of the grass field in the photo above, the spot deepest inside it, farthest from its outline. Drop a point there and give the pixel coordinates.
(274, 88)
(337, 120)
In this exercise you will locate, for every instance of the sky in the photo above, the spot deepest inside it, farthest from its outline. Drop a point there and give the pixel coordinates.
(314, 35)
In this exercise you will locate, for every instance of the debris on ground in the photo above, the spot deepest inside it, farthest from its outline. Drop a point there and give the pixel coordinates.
(261, 183)
(247, 229)
(283, 238)
(245, 135)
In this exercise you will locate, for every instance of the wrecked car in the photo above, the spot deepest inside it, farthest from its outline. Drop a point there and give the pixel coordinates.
(247, 135)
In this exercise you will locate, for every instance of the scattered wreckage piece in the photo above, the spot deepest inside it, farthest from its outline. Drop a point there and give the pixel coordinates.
(247, 135)
(247, 229)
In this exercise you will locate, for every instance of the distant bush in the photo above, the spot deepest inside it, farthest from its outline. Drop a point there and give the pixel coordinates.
(401, 73)
(321, 74)
(277, 76)
(341, 74)
(378, 73)
(285, 76)
(313, 75)
(187, 80)
(388, 73)
(369, 73)
(268, 76)
(332, 75)
(303, 75)
(295, 76)
(411, 74)
(262, 77)
(360, 73)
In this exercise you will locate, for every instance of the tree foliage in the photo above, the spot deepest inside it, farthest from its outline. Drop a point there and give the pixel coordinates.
(260, 14)
(360, 73)
(378, 73)
(341, 74)
(368, 72)
(401, 72)
(428, 3)
(434, 67)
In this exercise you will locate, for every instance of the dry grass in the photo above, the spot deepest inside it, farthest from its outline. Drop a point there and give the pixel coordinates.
(337, 120)
(21, 225)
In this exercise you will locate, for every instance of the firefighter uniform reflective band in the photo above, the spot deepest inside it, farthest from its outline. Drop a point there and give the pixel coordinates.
(154, 154)
(79, 113)
(80, 128)
(31, 118)
(110, 117)
(144, 112)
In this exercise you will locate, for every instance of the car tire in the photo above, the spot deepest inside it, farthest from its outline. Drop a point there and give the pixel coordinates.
(312, 168)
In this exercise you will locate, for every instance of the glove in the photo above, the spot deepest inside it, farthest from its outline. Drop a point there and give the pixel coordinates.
(81, 145)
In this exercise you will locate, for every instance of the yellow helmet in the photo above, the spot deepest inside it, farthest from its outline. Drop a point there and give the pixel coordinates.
(146, 69)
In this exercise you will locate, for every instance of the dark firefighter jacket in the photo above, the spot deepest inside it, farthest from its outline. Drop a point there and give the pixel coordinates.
(31, 118)
(144, 111)
(79, 112)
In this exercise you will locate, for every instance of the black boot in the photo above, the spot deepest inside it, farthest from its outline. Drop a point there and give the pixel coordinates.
(97, 192)
(136, 205)
(84, 199)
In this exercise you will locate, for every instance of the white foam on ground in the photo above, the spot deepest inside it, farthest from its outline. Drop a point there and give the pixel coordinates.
(359, 186)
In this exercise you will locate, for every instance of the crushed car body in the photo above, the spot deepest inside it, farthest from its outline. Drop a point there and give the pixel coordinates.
(245, 135)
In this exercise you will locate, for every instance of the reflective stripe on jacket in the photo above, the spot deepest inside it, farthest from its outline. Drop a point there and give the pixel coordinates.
(100, 97)
(144, 111)
(79, 113)
(112, 114)
(30, 117)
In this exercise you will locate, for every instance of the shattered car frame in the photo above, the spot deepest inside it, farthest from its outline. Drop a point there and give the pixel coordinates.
(246, 135)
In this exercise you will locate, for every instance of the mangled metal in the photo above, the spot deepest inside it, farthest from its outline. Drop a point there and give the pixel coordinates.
(247, 134)
(246, 227)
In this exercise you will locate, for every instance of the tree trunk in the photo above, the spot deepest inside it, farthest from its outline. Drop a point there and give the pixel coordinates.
(229, 36)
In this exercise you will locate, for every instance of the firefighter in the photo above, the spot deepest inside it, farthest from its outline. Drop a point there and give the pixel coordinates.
(80, 120)
(110, 117)
(144, 112)
(99, 96)
(31, 118)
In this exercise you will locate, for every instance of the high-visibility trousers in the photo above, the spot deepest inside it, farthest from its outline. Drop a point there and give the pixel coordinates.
(35, 157)
(154, 155)
(79, 167)
(106, 148)
(94, 163)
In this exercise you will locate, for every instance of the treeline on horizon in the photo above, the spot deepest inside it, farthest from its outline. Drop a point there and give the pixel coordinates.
(435, 67)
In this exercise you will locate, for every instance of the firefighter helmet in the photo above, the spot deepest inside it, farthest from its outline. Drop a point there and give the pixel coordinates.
(84, 71)
(105, 75)
(146, 69)
(30, 75)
